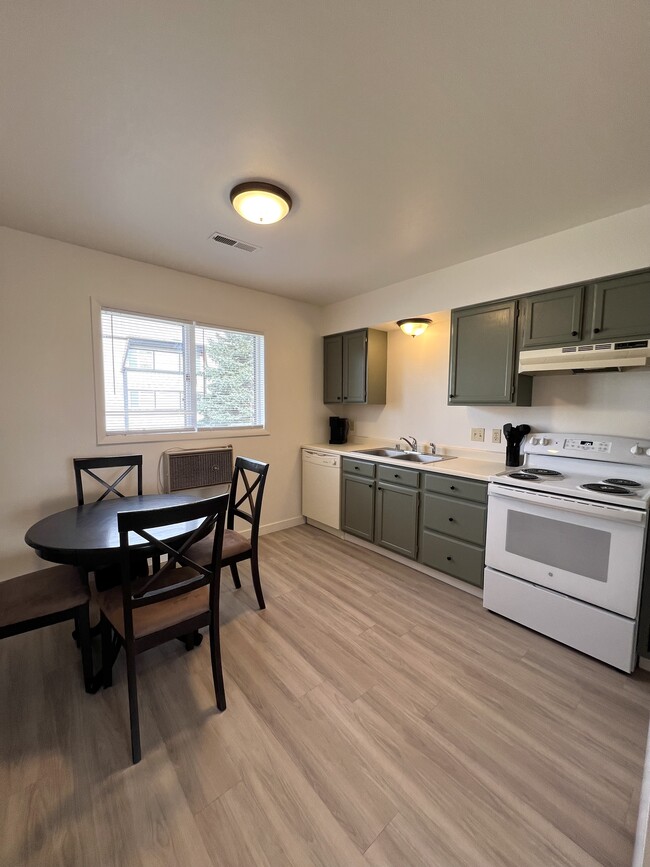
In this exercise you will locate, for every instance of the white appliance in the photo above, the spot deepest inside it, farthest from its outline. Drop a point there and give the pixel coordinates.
(620, 355)
(321, 488)
(566, 536)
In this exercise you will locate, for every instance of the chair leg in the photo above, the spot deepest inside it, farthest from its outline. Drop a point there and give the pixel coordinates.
(82, 621)
(108, 657)
(235, 576)
(257, 584)
(215, 655)
(136, 752)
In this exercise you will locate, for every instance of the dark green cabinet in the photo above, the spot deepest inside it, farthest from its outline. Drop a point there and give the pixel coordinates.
(452, 535)
(396, 518)
(482, 366)
(619, 308)
(354, 367)
(552, 318)
(358, 499)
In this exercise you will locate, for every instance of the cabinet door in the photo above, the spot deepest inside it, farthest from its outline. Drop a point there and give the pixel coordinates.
(621, 308)
(358, 507)
(354, 366)
(481, 367)
(552, 318)
(396, 519)
(333, 367)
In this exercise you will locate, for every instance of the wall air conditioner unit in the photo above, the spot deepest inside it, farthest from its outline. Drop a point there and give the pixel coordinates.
(196, 468)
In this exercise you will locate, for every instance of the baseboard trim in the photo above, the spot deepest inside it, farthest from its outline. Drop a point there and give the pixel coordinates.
(281, 525)
(325, 528)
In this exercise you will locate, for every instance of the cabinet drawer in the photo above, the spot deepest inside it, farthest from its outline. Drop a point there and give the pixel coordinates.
(398, 476)
(358, 468)
(450, 486)
(454, 518)
(453, 557)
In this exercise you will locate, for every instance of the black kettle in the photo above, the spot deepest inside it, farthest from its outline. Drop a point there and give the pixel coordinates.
(514, 435)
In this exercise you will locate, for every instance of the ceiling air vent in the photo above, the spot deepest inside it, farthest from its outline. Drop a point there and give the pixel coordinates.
(233, 242)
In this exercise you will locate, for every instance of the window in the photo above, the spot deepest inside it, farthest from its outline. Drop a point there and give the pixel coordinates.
(165, 376)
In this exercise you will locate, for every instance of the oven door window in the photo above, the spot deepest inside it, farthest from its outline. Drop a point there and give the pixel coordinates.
(561, 544)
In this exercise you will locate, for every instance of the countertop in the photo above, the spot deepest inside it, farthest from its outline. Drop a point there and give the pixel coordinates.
(480, 468)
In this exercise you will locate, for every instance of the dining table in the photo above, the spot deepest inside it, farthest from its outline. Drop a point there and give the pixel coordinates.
(86, 536)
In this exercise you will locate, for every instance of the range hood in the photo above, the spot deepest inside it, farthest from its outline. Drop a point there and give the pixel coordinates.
(624, 355)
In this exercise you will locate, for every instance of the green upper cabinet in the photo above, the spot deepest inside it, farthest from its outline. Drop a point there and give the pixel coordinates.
(355, 367)
(552, 318)
(482, 366)
(619, 308)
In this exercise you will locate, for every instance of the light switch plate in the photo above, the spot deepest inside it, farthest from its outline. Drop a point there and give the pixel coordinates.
(496, 434)
(478, 434)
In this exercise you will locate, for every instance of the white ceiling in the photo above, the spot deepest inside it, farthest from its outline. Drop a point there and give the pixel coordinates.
(411, 135)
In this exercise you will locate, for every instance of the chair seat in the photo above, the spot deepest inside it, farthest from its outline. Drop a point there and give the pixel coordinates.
(234, 544)
(154, 618)
(41, 593)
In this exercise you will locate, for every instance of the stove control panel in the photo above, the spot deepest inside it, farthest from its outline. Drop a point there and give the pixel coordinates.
(601, 447)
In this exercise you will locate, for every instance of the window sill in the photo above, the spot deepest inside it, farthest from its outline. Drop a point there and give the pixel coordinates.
(185, 436)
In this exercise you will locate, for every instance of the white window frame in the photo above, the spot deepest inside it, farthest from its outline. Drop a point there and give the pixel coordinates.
(104, 438)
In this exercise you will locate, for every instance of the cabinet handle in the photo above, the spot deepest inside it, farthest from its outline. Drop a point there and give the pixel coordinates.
(574, 334)
(356, 468)
(596, 330)
(452, 487)
(451, 395)
(448, 558)
(451, 519)
(397, 475)
(370, 486)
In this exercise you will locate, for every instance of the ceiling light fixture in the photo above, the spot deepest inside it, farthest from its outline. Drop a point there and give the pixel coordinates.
(414, 327)
(260, 202)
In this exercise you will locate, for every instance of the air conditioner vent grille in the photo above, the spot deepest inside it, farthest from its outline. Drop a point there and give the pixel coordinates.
(234, 243)
(197, 468)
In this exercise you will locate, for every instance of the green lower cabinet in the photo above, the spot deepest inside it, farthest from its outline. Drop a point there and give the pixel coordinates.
(358, 507)
(396, 519)
(460, 559)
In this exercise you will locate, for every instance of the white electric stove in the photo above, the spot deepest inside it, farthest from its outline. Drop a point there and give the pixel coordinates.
(566, 538)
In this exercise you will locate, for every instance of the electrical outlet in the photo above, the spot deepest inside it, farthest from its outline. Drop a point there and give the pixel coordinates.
(496, 434)
(351, 425)
(478, 434)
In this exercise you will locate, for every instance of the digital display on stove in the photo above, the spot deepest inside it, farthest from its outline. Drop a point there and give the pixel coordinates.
(587, 445)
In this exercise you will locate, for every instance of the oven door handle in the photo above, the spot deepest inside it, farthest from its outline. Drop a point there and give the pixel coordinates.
(568, 504)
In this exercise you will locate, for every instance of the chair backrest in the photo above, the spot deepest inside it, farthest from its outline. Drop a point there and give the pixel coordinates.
(87, 465)
(166, 531)
(246, 492)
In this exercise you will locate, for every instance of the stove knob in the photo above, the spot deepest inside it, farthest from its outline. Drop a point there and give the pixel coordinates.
(534, 441)
(638, 450)
(647, 451)
(545, 441)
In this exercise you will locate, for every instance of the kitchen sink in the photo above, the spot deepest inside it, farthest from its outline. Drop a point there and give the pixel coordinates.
(417, 458)
(381, 453)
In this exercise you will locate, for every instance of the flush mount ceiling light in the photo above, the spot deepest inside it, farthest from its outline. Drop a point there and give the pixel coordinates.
(260, 202)
(414, 327)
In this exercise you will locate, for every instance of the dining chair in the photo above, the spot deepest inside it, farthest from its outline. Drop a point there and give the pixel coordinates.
(245, 502)
(180, 597)
(43, 598)
(109, 576)
(87, 465)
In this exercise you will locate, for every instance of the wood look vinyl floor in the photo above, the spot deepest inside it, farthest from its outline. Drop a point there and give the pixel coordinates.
(375, 717)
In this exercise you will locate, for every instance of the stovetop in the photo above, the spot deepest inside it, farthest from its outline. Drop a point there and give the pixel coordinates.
(613, 470)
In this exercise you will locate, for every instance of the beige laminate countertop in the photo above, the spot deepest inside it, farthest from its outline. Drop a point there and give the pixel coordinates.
(467, 467)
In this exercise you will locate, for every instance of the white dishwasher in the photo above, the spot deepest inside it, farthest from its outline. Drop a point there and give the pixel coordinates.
(321, 488)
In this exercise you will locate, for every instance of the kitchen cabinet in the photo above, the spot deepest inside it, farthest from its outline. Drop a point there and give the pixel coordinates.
(483, 358)
(619, 308)
(354, 365)
(452, 535)
(358, 498)
(552, 318)
(396, 510)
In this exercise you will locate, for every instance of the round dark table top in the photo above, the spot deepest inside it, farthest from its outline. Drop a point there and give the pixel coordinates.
(87, 535)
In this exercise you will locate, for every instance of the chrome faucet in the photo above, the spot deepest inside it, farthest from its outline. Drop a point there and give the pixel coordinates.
(412, 442)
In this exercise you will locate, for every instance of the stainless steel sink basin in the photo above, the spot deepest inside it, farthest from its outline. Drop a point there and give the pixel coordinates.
(417, 458)
(381, 453)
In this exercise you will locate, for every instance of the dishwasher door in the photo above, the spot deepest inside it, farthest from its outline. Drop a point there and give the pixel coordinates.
(321, 487)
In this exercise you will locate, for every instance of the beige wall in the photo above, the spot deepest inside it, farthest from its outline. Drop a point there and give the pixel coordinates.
(46, 363)
(615, 403)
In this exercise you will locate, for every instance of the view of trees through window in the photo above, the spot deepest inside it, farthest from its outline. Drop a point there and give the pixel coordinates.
(164, 375)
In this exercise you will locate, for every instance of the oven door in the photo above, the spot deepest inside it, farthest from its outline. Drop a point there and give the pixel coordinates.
(590, 551)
